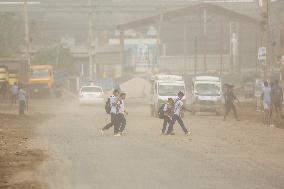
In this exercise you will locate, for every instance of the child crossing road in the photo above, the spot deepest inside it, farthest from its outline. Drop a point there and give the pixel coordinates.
(168, 114)
(113, 113)
(178, 107)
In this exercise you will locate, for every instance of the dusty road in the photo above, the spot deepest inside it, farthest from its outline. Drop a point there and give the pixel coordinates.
(218, 154)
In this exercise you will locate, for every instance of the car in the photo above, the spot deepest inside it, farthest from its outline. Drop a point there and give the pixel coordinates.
(90, 95)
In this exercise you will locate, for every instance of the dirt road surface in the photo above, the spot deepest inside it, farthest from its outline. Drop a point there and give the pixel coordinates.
(218, 154)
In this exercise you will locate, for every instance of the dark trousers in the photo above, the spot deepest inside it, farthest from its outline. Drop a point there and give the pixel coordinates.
(180, 122)
(22, 107)
(167, 122)
(278, 107)
(121, 122)
(14, 99)
(113, 122)
(228, 108)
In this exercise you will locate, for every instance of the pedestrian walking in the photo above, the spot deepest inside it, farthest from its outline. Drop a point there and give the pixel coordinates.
(4, 90)
(22, 97)
(121, 113)
(277, 98)
(168, 110)
(178, 108)
(111, 104)
(266, 100)
(14, 94)
(230, 99)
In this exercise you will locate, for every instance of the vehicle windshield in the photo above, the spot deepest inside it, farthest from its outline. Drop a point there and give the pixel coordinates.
(170, 90)
(40, 73)
(91, 90)
(207, 89)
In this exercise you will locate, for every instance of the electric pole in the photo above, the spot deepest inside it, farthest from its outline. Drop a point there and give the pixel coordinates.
(265, 28)
(91, 41)
(27, 32)
(205, 39)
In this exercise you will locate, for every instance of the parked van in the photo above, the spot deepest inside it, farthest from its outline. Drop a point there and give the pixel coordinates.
(164, 87)
(207, 94)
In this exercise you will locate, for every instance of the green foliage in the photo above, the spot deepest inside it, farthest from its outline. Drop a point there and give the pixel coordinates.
(11, 34)
(60, 58)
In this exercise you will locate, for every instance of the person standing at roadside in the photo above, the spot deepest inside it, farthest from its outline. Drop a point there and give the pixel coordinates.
(14, 93)
(277, 98)
(4, 90)
(230, 99)
(178, 108)
(22, 97)
(121, 122)
(113, 113)
(168, 110)
(266, 100)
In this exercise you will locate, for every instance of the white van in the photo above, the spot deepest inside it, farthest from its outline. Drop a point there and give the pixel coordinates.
(164, 87)
(207, 94)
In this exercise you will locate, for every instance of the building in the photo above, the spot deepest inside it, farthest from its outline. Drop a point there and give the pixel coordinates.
(200, 38)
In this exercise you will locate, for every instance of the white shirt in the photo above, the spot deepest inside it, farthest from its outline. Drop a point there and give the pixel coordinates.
(266, 93)
(112, 100)
(166, 107)
(121, 107)
(14, 90)
(22, 95)
(178, 107)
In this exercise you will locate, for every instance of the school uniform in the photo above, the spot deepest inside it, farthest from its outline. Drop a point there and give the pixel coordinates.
(113, 114)
(121, 117)
(167, 116)
(177, 117)
(22, 101)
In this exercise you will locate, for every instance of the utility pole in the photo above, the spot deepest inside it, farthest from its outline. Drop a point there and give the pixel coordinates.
(185, 48)
(205, 39)
(91, 40)
(195, 55)
(265, 39)
(27, 32)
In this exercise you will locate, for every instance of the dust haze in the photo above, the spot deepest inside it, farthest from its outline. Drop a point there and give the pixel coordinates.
(141, 94)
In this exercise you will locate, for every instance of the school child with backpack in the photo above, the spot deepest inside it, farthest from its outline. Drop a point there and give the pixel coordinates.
(111, 108)
(121, 112)
(178, 108)
(166, 113)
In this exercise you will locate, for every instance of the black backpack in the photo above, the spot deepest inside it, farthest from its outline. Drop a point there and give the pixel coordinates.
(108, 106)
(161, 113)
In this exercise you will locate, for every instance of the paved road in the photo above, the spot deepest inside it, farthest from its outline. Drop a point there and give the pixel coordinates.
(218, 154)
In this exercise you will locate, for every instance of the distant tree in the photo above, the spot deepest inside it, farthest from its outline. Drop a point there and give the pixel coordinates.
(11, 34)
(60, 58)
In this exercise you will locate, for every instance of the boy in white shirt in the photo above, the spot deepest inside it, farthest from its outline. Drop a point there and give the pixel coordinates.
(121, 123)
(178, 107)
(113, 113)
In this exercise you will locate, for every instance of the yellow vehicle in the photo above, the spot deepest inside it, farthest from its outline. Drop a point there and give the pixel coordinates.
(13, 78)
(4, 75)
(41, 80)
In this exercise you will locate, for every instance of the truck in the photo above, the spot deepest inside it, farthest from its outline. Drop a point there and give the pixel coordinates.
(13, 77)
(164, 87)
(206, 94)
(42, 80)
(17, 70)
(4, 75)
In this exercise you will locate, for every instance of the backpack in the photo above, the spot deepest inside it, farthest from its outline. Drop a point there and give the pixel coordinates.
(161, 113)
(108, 106)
